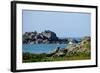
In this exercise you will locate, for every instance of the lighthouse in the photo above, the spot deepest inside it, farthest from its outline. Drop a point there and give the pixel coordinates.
(70, 42)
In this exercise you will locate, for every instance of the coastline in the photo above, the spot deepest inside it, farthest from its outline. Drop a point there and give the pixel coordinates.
(77, 51)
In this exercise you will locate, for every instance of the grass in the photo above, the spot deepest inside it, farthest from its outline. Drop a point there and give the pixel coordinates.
(27, 57)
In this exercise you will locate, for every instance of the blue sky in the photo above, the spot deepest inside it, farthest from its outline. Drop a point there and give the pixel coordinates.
(64, 24)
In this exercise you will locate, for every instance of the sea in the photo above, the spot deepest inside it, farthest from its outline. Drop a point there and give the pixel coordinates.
(44, 48)
(41, 48)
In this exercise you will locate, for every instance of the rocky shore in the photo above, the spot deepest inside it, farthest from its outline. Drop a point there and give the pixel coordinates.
(76, 51)
(82, 47)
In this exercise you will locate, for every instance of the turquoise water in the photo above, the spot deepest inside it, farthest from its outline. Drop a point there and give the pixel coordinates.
(41, 48)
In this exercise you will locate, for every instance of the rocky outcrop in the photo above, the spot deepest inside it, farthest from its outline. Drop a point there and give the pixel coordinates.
(57, 52)
(34, 37)
(43, 37)
(49, 35)
(74, 49)
(82, 47)
(46, 37)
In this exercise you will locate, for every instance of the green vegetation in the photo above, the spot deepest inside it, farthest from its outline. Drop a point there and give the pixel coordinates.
(27, 57)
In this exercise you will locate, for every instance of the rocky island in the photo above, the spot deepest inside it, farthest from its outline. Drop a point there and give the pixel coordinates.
(45, 37)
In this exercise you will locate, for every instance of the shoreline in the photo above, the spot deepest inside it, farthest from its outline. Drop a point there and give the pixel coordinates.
(80, 51)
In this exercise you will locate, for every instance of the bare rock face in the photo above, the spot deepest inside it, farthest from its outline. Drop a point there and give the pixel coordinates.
(49, 35)
(43, 37)
(29, 37)
(58, 52)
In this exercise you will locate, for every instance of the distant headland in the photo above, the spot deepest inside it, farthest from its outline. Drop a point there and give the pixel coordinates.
(46, 37)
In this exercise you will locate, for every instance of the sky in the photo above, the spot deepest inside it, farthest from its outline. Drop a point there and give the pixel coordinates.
(64, 24)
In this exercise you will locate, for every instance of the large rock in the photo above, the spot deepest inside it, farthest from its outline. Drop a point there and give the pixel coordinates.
(49, 35)
(43, 37)
(29, 37)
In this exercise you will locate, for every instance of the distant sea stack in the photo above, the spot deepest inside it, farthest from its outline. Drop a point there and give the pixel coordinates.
(45, 37)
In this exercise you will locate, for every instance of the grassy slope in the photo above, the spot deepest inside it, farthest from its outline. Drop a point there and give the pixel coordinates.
(80, 56)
